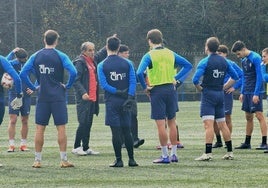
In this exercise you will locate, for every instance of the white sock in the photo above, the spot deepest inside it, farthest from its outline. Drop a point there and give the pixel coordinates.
(164, 151)
(23, 141)
(38, 156)
(174, 150)
(63, 155)
(11, 142)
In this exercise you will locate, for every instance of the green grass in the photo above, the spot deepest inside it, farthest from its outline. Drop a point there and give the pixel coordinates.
(249, 169)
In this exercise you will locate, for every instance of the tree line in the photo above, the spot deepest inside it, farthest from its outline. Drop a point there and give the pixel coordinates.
(185, 24)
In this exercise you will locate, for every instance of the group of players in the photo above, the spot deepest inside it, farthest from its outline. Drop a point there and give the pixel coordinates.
(216, 77)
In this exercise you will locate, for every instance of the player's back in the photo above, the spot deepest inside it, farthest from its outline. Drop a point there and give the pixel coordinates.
(50, 74)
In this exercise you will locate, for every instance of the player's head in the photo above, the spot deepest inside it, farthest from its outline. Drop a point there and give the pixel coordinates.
(113, 43)
(88, 49)
(51, 37)
(212, 44)
(223, 50)
(123, 51)
(21, 54)
(265, 55)
(240, 49)
(155, 36)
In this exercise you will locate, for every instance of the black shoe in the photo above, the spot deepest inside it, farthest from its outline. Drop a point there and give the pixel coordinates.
(217, 145)
(117, 164)
(244, 146)
(138, 143)
(132, 163)
(262, 147)
(265, 151)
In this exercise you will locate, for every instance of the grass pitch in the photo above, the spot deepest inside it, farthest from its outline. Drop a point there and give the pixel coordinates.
(248, 169)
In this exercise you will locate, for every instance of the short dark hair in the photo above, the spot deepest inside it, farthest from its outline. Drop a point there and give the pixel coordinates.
(21, 53)
(155, 36)
(213, 44)
(123, 48)
(113, 43)
(223, 48)
(51, 36)
(238, 45)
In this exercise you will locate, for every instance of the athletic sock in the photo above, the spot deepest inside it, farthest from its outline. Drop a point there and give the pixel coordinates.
(208, 148)
(247, 140)
(164, 150)
(23, 141)
(218, 137)
(229, 146)
(63, 155)
(11, 142)
(38, 156)
(264, 140)
(173, 150)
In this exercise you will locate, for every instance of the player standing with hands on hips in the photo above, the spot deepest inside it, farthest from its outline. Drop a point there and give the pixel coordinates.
(161, 64)
(48, 65)
(213, 69)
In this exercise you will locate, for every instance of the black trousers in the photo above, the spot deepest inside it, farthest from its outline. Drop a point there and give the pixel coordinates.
(85, 113)
(117, 132)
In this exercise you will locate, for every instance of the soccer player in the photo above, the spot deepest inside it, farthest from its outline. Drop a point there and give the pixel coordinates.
(228, 95)
(264, 73)
(251, 93)
(17, 102)
(212, 69)
(137, 142)
(48, 65)
(17, 59)
(161, 64)
(117, 78)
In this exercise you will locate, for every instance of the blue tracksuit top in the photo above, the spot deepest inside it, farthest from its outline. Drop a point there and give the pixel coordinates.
(252, 75)
(213, 68)
(48, 66)
(7, 67)
(180, 61)
(239, 72)
(18, 66)
(117, 73)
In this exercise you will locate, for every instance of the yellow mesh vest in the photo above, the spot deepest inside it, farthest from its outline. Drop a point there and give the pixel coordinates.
(163, 70)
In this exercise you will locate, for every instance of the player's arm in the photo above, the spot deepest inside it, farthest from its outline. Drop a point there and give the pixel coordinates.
(257, 62)
(102, 79)
(239, 72)
(132, 80)
(26, 70)
(12, 72)
(185, 70)
(233, 76)
(200, 70)
(68, 65)
(145, 62)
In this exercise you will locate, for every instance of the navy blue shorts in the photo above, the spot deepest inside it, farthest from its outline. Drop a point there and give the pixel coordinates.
(45, 109)
(249, 106)
(24, 109)
(212, 104)
(164, 102)
(114, 113)
(228, 102)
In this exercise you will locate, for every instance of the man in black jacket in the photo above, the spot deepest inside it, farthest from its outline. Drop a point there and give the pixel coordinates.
(87, 95)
